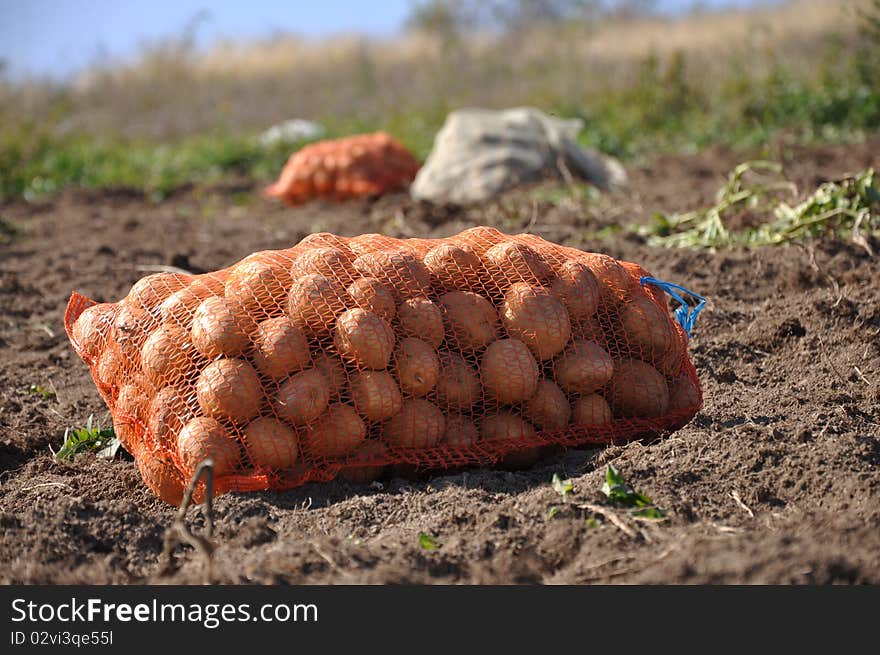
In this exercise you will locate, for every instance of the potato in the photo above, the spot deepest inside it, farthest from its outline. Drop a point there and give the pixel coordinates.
(510, 262)
(458, 385)
(333, 371)
(129, 411)
(670, 362)
(404, 274)
(416, 365)
(537, 318)
(371, 243)
(338, 432)
(163, 478)
(508, 371)
(419, 424)
(260, 286)
(479, 239)
(205, 437)
(583, 367)
(454, 267)
(375, 395)
(636, 273)
(364, 338)
(270, 444)
(371, 294)
(548, 408)
(180, 307)
(229, 388)
(418, 247)
(647, 328)
(149, 292)
(168, 413)
(363, 473)
(577, 288)
(590, 329)
(331, 262)
(221, 327)
(470, 320)
(615, 283)
(460, 431)
(92, 329)
(506, 425)
(109, 367)
(684, 396)
(637, 390)
(280, 348)
(422, 318)
(303, 397)
(131, 326)
(591, 409)
(325, 239)
(314, 303)
(168, 355)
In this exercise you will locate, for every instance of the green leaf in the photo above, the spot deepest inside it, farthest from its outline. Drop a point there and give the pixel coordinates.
(654, 513)
(427, 542)
(562, 487)
(90, 439)
(617, 489)
(553, 512)
(39, 390)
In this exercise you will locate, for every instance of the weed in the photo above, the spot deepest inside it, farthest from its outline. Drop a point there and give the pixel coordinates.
(427, 542)
(617, 489)
(562, 487)
(849, 206)
(89, 439)
(39, 390)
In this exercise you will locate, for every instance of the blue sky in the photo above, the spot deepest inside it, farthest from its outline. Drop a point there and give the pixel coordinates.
(57, 37)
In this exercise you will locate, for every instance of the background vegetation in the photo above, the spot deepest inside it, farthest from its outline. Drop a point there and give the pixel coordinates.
(803, 71)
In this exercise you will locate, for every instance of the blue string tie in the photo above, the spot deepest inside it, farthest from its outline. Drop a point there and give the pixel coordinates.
(684, 314)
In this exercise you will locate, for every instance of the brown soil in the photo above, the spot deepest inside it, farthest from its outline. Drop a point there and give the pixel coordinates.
(775, 481)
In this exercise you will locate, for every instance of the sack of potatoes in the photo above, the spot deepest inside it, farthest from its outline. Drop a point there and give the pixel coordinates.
(347, 356)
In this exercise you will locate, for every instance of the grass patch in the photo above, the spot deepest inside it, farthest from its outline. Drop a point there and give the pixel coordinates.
(34, 164)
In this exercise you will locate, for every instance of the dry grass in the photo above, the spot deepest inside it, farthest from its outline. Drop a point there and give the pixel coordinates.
(802, 21)
(170, 91)
(175, 115)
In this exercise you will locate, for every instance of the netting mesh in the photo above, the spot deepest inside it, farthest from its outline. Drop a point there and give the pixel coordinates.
(350, 355)
(337, 169)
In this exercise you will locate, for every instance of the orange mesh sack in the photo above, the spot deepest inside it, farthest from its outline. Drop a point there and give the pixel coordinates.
(344, 356)
(361, 165)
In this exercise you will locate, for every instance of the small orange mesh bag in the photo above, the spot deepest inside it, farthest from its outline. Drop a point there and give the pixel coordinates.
(345, 356)
(338, 169)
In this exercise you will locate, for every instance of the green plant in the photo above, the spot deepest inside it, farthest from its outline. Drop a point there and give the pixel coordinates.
(8, 231)
(562, 487)
(617, 489)
(89, 439)
(427, 541)
(848, 206)
(39, 390)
